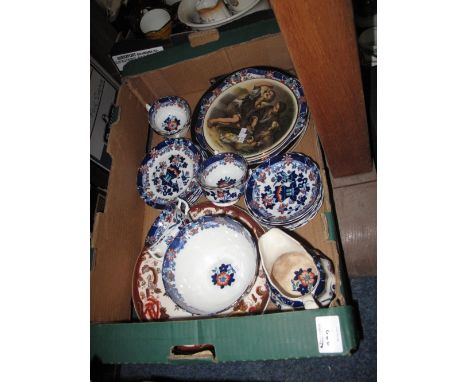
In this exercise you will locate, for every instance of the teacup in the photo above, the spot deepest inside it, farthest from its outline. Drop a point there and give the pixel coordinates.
(237, 6)
(211, 11)
(169, 116)
(293, 273)
(222, 178)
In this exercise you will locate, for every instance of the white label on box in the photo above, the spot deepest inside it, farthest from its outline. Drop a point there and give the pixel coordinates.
(121, 59)
(329, 334)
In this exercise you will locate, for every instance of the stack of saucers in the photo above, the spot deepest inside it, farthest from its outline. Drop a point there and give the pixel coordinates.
(285, 191)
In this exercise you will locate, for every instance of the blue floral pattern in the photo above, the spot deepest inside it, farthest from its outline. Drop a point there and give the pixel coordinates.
(171, 125)
(168, 171)
(284, 189)
(228, 189)
(304, 280)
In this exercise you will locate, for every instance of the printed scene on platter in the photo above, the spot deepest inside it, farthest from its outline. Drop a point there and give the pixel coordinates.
(251, 118)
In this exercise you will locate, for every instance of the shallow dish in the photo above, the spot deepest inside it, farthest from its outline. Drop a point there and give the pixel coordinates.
(188, 15)
(211, 263)
(284, 189)
(254, 112)
(168, 172)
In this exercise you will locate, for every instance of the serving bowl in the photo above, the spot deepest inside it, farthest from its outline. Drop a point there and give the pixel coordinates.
(210, 265)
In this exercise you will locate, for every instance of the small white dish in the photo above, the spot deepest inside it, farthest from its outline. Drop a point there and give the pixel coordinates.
(210, 265)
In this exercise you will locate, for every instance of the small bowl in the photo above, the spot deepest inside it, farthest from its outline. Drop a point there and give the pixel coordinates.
(169, 116)
(156, 24)
(210, 265)
(222, 178)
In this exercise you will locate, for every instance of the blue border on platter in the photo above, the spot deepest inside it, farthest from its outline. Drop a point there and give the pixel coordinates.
(242, 75)
(252, 180)
(193, 191)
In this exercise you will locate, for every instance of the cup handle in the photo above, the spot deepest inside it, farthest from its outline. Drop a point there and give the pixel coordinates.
(148, 107)
(183, 206)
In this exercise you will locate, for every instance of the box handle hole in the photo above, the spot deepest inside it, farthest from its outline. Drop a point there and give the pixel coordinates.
(189, 352)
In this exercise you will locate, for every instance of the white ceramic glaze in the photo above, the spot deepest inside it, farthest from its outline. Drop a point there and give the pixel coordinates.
(276, 243)
(169, 116)
(154, 20)
(188, 15)
(210, 264)
(212, 11)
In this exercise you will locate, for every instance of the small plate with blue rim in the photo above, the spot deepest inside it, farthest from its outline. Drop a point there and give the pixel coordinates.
(168, 172)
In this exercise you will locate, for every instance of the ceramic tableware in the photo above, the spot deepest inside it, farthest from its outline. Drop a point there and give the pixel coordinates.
(236, 6)
(292, 271)
(284, 191)
(210, 264)
(188, 15)
(255, 112)
(168, 173)
(149, 296)
(169, 116)
(156, 24)
(211, 11)
(324, 298)
(222, 178)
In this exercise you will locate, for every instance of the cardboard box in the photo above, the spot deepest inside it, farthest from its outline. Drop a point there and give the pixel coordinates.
(120, 232)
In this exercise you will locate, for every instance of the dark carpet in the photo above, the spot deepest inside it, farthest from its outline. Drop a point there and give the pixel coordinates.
(361, 366)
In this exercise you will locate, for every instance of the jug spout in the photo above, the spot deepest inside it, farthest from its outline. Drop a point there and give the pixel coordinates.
(148, 107)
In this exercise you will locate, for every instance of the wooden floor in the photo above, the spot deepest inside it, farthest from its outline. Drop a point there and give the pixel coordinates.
(355, 199)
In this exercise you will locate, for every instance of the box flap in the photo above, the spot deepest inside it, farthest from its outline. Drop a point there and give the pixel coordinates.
(117, 237)
(268, 337)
